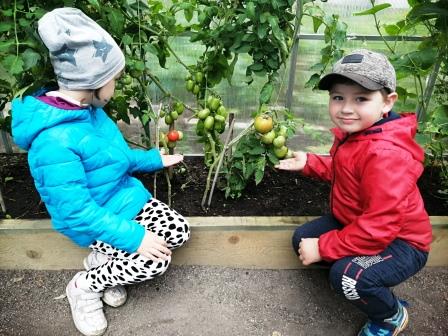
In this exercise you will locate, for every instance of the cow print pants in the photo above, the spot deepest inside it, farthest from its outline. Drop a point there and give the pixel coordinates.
(124, 268)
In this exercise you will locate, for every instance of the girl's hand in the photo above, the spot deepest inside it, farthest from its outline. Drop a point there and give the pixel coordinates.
(296, 163)
(309, 251)
(154, 247)
(171, 160)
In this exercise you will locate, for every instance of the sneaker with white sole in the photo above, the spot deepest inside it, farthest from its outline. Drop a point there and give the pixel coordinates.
(389, 327)
(87, 308)
(113, 296)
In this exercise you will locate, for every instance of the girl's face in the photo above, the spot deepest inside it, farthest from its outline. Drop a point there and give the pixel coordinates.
(353, 108)
(102, 95)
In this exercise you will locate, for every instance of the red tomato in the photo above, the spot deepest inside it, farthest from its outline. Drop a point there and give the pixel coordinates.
(173, 135)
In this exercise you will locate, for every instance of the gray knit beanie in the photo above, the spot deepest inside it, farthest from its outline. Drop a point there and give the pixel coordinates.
(84, 56)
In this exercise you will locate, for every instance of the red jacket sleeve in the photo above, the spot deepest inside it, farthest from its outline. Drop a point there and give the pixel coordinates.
(384, 187)
(318, 166)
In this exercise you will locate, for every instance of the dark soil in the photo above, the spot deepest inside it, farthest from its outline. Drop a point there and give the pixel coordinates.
(279, 194)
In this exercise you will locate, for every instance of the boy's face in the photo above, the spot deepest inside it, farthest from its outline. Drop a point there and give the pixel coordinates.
(353, 108)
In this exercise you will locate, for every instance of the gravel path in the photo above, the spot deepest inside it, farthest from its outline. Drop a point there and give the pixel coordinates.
(192, 300)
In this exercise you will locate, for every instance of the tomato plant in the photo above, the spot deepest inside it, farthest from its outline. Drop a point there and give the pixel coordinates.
(255, 150)
(227, 29)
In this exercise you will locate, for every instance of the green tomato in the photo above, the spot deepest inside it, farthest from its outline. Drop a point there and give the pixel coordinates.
(127, 80)
(168, 119)
(222, 111)
(179, 107)
(220, 118)
(283, 130)
(219, 127)
(174, 115)
(196, 89)
(209, 101)
(171, 144)
(162, 114)
(200, 128)
(162, 139)
(268, 137)
(215, 103)
(290, 154)
(203, 113)
(189, 85)
(279, 141)
(198, 77)
(281, 152)
(208, 123)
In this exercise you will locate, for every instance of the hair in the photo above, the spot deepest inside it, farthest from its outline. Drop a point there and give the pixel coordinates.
(347, 81)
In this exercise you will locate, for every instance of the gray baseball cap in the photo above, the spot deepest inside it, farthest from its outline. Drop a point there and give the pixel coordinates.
(369, 69)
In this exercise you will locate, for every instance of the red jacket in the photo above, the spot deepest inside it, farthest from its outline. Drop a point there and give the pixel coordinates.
(374, 194)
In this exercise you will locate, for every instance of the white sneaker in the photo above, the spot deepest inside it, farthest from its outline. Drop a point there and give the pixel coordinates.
(87, 309)
(113, 296)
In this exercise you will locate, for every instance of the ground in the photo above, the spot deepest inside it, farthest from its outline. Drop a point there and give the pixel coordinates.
(279, 194)
(192, 300)
(216, 301)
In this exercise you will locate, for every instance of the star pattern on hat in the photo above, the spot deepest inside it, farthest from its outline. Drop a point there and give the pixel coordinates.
(65, 54)
(102, 49)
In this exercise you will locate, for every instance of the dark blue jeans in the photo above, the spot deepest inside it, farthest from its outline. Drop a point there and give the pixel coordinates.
(366, 280)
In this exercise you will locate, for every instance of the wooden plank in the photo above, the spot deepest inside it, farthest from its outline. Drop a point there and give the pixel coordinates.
(207, 222)
(246, 242)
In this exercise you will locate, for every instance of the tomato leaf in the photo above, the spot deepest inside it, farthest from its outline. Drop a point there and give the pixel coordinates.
(259, 172)
(266, 93)
(373, 10)
(30, 58)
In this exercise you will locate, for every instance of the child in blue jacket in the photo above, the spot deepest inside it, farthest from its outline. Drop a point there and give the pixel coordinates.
(82, 168)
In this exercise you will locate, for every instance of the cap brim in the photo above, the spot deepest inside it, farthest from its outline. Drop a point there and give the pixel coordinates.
(327, 81)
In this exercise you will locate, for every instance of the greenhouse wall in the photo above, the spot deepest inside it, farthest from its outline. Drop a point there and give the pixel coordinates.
(242, 100)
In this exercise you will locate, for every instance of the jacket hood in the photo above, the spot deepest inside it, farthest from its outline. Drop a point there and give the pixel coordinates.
(30, 117)
(399, 129)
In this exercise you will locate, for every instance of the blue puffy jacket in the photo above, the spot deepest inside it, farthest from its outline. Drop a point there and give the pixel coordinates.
(82, 168)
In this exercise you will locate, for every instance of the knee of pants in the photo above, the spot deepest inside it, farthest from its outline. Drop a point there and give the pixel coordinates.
(337, 276)
(296, 238)
(185, 234)
(352, 286)
(158, 268)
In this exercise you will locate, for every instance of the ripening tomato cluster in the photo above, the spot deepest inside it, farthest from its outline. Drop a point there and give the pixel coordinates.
(212, 117)
(169, 140)
(273, 136)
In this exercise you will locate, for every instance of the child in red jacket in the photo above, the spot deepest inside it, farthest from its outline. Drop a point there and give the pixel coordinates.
(378, 233)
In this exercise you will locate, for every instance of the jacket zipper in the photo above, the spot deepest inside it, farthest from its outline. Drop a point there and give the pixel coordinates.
(333, 179)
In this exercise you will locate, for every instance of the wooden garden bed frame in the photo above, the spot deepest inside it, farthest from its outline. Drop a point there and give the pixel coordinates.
(242, 242)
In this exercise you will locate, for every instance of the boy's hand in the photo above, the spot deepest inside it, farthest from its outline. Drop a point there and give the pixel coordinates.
(309, 251)
(296, 163)
(154, 247)
(171, 160)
